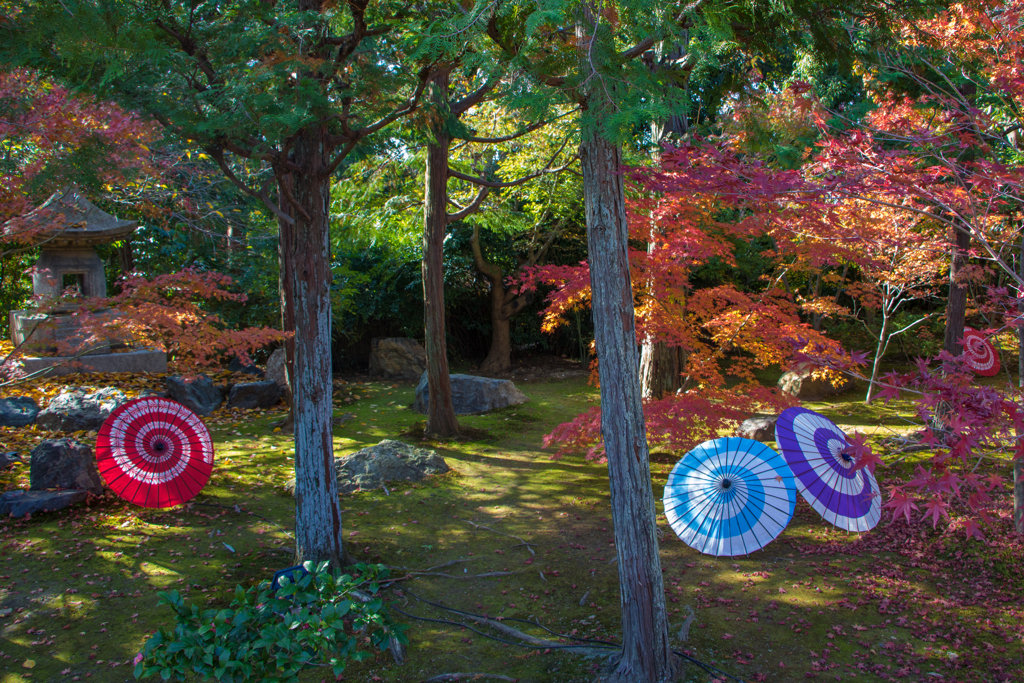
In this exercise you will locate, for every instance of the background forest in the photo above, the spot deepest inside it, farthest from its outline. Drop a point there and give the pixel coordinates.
(686, 199)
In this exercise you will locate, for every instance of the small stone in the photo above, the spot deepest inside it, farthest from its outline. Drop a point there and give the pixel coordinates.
(759, 428)
(254, 394)
(236, 365)
(803, 385)
(472, 394)
(64, 464)
(17, 411)
(199, 395)
(79, 410)
(9, 459)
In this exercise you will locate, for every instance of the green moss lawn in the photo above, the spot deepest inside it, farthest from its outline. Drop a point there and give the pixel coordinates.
(78, 588)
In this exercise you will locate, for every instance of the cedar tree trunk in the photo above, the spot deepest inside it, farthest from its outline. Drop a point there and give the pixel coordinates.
(285, 234)
(317, 509)
(440, 411)
(661, 368)
(646, 653)
(956, 306)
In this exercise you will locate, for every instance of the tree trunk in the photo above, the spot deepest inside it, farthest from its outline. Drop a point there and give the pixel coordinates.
(880, 348)
(125, 256)
(499, 355)
(317, 509)
(646, 653)
(1018, 465)
(956, 305)
(504, 304)
(661, 366)
(285, 234)
(661, 369)
(441, 420)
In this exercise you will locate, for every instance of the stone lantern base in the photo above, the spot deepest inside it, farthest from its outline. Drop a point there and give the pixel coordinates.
(144, 360)
(42, 332)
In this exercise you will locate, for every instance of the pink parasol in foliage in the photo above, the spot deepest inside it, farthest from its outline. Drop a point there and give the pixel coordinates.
(154, 452)
(979, 354)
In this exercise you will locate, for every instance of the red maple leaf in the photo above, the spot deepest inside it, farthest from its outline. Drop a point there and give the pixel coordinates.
(900, 503)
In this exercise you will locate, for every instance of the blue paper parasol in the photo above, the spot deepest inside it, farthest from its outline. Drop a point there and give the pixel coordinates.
(729, 497)
(814, 448)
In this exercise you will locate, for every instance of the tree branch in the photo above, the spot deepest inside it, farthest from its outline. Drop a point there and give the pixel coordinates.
(473, 207)
(461, 106)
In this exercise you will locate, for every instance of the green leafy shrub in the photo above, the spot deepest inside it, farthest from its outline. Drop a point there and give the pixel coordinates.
(320, 620)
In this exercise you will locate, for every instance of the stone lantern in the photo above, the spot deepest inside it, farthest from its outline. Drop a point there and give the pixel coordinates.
(68, 227)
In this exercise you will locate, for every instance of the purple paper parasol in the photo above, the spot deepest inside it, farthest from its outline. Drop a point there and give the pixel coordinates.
(814, 448)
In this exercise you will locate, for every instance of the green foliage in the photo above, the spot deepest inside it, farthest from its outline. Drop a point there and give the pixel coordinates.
(15, 286)
(320, 620)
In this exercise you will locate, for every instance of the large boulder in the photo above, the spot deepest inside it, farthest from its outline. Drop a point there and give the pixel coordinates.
(759, 428)
(17, 411)
(472, 394)
(397, 358)
(254, 394)
(20, 503)
(370, 467)
(64, 464)
(200, 395)
(77, 409)
(276, 369)
(804, 386)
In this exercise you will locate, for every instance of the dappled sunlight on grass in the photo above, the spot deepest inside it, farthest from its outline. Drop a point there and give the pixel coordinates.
(509, 533)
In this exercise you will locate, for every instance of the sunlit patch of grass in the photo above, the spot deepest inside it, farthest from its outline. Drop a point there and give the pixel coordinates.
(808, 592)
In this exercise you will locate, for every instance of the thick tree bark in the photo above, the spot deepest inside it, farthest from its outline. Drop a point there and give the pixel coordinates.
(646, 652)
(441, 420)
(661, 369)
(956, 305)
(317, 509)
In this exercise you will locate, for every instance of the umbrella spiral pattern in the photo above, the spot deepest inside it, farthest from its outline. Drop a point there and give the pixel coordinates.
(154, 452)
(729, 497)
(825, 476)
(979, 354)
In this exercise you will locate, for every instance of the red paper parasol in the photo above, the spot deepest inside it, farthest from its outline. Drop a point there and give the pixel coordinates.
(979, 354)
(154, 452)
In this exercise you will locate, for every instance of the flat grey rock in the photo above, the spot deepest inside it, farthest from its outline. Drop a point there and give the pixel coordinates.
(77, 409)
(21, 503)
(200, 395)
(471, 394)
(17, 411)
(254, 394)
(64, 464)
(370, 467)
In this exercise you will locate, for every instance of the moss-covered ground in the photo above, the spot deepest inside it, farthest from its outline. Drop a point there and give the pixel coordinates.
(78, 588)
